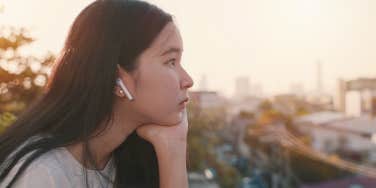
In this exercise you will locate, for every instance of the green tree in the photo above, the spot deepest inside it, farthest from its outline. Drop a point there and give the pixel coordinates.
(22, 77)
(5, 120)
(203, 138)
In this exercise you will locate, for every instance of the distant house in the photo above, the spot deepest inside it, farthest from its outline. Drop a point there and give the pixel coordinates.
(209, 103)
(206, 99)
(331, 131)
(248, 104)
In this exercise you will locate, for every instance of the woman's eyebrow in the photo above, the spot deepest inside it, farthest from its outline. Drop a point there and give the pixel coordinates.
(172, 50)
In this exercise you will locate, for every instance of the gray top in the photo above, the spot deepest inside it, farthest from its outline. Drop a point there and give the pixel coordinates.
(59, 169)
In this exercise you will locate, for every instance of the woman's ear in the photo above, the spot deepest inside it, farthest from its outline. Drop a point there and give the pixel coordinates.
(124, 89)
(125, 83)
(119, 92)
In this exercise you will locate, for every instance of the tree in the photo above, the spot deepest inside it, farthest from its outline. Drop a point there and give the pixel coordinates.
(203, 138)
(22, 77)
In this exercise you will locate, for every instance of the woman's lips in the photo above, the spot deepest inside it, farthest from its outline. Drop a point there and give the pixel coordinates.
(184, 103)
(185, 100)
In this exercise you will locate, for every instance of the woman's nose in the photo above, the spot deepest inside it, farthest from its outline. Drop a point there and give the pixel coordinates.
(186, 81)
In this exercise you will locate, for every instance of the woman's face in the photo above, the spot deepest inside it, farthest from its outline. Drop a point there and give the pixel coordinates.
(160, 83)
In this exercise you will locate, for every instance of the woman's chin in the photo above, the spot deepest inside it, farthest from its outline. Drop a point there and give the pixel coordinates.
(171, 119)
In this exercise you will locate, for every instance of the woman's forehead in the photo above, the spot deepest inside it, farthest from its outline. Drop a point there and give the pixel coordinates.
(169, 37)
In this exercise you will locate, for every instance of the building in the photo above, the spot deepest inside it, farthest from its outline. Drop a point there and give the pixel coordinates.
(207, 99)
(334, 131)
(366, 87)
(242, 87)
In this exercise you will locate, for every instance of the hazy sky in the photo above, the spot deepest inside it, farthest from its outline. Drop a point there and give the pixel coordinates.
(273, 42)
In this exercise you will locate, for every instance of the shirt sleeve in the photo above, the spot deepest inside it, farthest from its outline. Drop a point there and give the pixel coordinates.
(37, 176)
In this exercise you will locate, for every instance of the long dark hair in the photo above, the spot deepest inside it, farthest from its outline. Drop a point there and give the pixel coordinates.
(79, 94)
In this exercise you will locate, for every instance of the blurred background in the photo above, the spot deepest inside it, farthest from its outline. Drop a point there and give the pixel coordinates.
(284, 94)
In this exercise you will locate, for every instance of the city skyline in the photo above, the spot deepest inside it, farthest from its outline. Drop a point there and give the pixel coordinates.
(274, 43)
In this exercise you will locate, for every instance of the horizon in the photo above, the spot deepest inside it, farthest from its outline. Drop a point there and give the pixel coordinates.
(275, 44)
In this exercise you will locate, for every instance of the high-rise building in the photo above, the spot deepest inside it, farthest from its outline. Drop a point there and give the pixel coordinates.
(242, 87)
(319, 85)
(203, 83)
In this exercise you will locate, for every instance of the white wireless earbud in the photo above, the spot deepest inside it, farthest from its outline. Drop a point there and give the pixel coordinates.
(125, 90)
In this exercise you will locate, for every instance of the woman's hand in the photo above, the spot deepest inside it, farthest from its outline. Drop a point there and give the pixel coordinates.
(170, 144)
(161, 136)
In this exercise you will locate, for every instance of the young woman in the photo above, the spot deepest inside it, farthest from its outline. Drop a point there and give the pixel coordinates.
(113, 112)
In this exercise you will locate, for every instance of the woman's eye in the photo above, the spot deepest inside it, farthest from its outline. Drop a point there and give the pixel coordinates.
(171, 62)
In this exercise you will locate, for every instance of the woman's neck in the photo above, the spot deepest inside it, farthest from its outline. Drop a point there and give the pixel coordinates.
(106, 142)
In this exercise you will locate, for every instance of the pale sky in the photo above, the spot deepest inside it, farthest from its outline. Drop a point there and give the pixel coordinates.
(273, 42)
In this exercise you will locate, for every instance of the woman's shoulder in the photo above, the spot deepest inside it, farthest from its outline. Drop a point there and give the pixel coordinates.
(44, 171)
(50, 160)
(56, 168)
